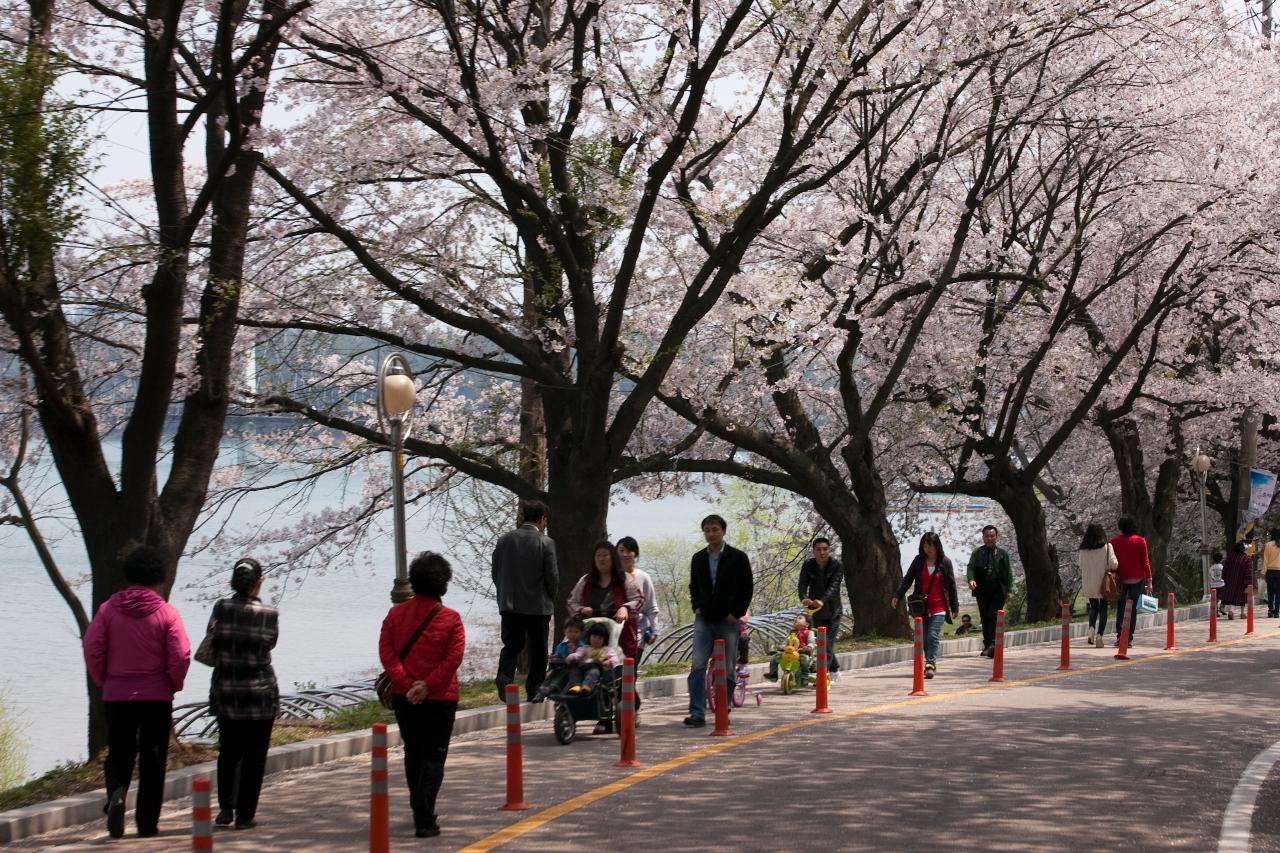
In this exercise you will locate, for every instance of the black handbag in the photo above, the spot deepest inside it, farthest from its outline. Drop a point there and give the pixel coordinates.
(382, 684)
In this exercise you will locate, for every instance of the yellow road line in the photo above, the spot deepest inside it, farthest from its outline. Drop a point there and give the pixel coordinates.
(542, 818)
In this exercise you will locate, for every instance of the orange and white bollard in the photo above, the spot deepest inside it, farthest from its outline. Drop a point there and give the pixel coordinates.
(917, 673)
(1169, 620)
(627, 715)
(997, 664)
(1213, 616)
(379, 794)
(1248, 626)
(820, 702)
(201, 814)
(1064, 661)
(515, 754)
(1127, 615)
(722, 692)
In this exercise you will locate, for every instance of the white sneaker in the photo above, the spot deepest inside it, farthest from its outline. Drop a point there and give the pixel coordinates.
(1092, 635)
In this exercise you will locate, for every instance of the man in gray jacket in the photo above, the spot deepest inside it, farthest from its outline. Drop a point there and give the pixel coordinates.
(524, 575)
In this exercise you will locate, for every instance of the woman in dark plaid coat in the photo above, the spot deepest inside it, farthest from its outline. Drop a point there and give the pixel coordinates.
(243, 693)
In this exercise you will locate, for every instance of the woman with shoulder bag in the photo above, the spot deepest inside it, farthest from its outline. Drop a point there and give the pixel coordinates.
(421, 648)
(935, 596)
(243, 694)
(1097, 560)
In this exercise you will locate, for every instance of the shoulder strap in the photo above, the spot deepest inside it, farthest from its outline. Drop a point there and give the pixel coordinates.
(404, 653)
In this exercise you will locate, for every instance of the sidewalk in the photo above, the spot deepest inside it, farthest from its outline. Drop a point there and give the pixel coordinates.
(325, 808)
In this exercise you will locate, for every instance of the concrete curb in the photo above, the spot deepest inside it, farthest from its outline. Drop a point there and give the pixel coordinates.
(86, 808)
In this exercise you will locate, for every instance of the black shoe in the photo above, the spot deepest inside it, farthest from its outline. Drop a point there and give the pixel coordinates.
(246, 824)
(427, 831)
(991, 652)
(695, 722)
(538, 697)
(115, 813)
(224, 818)
(602, 728)
(148, 833)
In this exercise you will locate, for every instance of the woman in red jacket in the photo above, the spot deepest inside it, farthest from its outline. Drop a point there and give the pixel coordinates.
(424, 680)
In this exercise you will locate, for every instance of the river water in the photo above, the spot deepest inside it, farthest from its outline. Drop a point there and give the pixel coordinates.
(328, 624)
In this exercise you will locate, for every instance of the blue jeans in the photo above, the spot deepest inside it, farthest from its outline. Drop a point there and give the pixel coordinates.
(932, 631)
(705, 635)
(1098, 614)
(1129, 592)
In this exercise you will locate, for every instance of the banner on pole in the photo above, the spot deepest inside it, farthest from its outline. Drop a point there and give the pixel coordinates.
(1262, 488)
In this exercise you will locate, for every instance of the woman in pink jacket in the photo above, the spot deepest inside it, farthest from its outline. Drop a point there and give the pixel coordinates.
(136, 651)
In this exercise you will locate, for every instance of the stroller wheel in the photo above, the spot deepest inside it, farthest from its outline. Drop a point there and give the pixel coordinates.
(564, 726)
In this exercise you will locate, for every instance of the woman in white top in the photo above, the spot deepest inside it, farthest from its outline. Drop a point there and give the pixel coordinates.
(628, 551)
(1096, 559)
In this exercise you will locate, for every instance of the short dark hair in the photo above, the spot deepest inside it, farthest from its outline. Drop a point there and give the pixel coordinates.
(1275, 535)
(630, 544)
(598, 629)
(714, 519)
(429, 574)
(1127, 525)
(574, 622)
(1240, 547)
(531, 512)
(1217, 555)
(144, 566)
(964, 616)
(245, 574)
(821, 540)
(990, 527)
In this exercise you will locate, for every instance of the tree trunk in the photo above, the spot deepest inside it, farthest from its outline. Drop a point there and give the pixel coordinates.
(874, 567)
(1039, 558)
(1153, 512)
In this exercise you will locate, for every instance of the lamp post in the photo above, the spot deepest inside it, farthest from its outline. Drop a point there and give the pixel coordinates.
(396, 393)
(1200, 463)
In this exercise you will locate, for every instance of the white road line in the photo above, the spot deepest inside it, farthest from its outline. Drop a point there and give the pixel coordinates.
(1237, 822)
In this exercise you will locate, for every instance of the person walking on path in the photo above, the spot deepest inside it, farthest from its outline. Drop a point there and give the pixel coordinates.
(934, 597)
(424, 685)
(1271, 567)
(243, 694)
(136, 651)
(1237, 574)
(819, 591)
(629, 553)
(1134, 570)
(1097, 557)
(990, 576)
(525, 578)
(606, 590)
(720, 589)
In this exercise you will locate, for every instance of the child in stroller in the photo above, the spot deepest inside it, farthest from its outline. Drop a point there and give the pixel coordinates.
(557, 668)
(795, 655)
(589, 662)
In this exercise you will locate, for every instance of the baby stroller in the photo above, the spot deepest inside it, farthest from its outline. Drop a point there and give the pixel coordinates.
(600, 705)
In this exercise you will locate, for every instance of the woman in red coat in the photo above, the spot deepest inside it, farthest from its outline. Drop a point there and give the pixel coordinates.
(424, 681)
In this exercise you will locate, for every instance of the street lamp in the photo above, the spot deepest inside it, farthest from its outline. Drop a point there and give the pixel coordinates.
(1200, 464)
(396, 394)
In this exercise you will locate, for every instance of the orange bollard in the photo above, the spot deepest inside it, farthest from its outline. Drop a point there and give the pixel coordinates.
(201, 814)
(1122, 653)
(1248, 626)
(917, 675)
(1213, 616)
(997, 668)
(379, 794)
(515, 754)
(627, 715)
(1169, 620)
(722, 692)
(820, 703)
(1064, 661)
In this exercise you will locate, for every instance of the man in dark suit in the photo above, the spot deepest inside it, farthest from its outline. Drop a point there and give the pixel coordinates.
(720, 587)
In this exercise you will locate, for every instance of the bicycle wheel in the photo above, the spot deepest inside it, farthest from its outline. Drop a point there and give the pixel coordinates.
(786, 680)
(739, 693)
(711, 690)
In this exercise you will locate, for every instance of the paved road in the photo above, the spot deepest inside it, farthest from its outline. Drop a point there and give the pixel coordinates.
(1142, 755)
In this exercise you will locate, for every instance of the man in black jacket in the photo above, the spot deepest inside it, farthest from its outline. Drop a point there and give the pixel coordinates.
(526, 580)
(819, 587)
(720, 588)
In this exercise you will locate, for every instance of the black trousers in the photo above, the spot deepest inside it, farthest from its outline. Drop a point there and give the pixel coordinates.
(242, 759)
(522, 631)
(425, 729)
(139, 732)
(833, 627)
(1273, 592)
(989, 603)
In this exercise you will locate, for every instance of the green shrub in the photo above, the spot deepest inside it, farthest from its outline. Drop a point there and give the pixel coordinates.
(13, 747)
